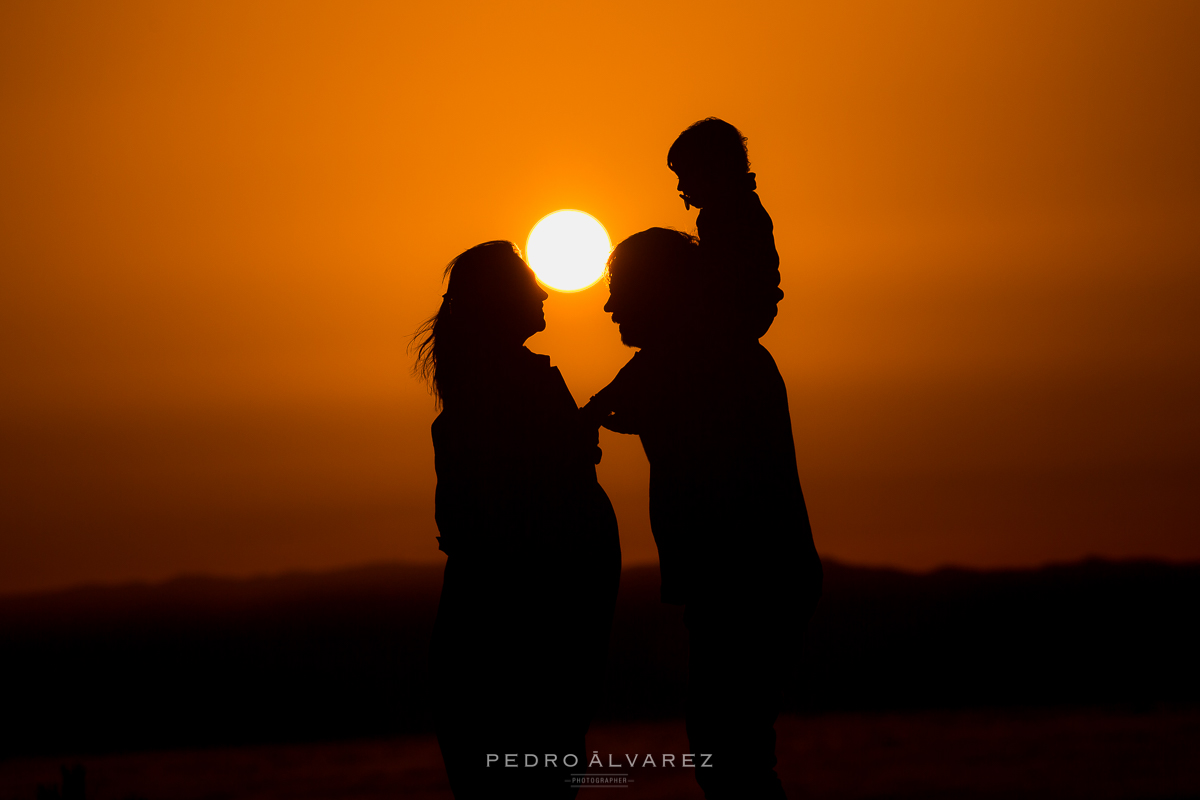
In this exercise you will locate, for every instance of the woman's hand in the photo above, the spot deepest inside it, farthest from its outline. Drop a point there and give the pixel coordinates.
(590, 421)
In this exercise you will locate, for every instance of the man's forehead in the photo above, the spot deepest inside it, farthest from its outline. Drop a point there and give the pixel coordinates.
(625, 269)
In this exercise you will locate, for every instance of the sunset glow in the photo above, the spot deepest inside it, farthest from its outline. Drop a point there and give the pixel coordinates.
(221, 223)
(567, 250)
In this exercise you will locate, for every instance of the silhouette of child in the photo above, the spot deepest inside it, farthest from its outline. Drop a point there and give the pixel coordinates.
(737, 243)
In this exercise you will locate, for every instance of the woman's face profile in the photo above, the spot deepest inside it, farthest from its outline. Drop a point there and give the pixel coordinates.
(521, 304)
(499, 300)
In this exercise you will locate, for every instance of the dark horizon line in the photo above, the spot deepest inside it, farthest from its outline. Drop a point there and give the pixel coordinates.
(386, 568)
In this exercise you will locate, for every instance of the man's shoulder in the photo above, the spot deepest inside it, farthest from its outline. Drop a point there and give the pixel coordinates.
(654, 375)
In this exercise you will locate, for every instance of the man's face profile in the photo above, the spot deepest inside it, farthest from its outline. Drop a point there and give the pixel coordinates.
(627, 305)
(651, 294)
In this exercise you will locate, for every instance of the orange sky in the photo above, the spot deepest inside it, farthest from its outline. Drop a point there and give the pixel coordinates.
(221, 222)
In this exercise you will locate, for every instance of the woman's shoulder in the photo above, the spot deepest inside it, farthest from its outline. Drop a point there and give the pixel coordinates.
(536, 391)
(540, 373)
(534, 361)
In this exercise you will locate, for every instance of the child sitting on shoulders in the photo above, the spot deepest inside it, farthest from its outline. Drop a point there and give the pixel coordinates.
(737, 242)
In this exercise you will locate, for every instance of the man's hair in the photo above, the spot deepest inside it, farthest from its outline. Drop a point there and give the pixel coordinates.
(665, 258)
(658, 275)
(712, 145)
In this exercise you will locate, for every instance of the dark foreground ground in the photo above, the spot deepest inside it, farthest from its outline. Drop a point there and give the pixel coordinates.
(341, 656)
(943, 754)
(316, 686)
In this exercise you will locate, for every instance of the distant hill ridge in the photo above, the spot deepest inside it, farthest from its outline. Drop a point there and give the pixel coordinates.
(213, 593)
(305, 656)
(293, 584)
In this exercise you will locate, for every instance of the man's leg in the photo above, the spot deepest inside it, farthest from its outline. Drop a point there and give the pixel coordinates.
(736, 670)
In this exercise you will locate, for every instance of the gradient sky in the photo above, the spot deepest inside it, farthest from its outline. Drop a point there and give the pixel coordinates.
(221, 222)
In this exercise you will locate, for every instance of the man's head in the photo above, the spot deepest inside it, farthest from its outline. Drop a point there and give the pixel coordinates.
(653, 287)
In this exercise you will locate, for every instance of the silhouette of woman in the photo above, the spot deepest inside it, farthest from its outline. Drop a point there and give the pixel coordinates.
(533, 557)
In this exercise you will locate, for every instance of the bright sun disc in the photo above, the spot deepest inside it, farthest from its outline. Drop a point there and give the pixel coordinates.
(567, 250)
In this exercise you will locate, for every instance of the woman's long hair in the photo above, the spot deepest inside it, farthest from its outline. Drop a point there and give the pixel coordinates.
(447, 338)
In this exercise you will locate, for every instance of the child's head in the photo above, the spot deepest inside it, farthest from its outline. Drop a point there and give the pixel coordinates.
(709, 157)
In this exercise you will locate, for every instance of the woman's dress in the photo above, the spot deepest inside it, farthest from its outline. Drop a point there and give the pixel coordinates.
(533, 564)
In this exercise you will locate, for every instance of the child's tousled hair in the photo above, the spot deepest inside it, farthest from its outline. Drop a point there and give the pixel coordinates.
(713, 143)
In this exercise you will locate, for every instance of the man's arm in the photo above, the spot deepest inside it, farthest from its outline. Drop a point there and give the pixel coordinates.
(616, 406)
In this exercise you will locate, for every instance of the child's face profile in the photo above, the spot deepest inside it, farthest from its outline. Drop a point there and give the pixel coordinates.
(693, 186)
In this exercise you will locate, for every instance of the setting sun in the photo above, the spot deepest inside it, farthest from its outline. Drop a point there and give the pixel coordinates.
(567, 250)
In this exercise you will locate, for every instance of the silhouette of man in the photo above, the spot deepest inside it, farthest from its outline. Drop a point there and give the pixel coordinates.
(726, 508)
